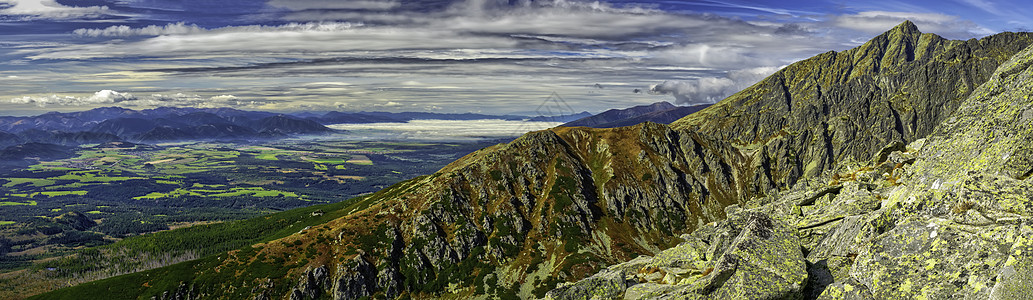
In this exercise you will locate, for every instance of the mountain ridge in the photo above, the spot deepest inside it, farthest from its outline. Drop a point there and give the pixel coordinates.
(659, 112)
(519, 219)
(946, 216)
(840, 106)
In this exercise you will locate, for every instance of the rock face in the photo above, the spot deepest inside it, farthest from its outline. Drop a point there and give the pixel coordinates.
(963, 217)
(748, 256)
(550, 206)
(813, 114)
(952, 218)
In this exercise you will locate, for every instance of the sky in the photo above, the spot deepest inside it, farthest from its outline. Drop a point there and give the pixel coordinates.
(481, 56)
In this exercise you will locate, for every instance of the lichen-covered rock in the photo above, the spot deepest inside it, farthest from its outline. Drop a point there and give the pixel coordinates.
(749, 256)
(961, 220)
(607, 284)
(848, 289)
(1015, 279)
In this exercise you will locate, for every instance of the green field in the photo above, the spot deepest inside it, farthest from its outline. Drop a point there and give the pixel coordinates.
(329, 161)
(232, 192)
(255, 192)
(137, 191)
(267, 156)
(92, 176)
(63, 193)
(36, 182)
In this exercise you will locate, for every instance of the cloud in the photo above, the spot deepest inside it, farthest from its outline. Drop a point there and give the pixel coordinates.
(293, 38)
(711, 89)
(444, 130)
(297, 5)
(105, 97)
(702, 90)
(101, 97)
(191, 100)
(51, 9)
(109, 96)
(153, 30)
(192, 29)
(511, 52)
(876, 22)
(985, 6)
(223, 98)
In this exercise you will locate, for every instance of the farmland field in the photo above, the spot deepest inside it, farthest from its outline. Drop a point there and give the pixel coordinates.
(114, 191)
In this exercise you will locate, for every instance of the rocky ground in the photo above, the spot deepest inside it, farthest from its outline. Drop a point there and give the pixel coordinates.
(948, 216)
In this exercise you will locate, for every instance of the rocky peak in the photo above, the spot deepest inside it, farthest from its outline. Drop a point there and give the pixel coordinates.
(902, 44)
(905, 31)
(816, 113)
(949, 216)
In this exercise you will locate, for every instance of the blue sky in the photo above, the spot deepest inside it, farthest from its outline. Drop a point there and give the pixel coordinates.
(443, 56)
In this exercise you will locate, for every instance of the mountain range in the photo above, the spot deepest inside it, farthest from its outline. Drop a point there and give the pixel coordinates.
(109, 124)
(660, 112)
(897, 169)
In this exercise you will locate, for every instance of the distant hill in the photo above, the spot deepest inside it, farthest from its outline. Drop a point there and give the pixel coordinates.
(8, 139)
(34, 150)
(72, 138)
(561, 118)
(283, 124)
(336, 117)
(660, 112)
(111, 124)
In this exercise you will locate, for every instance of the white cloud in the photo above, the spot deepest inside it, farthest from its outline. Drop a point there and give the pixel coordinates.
(711, 89)
(985, 6)
(192, 29)
(101, 97)
(105, 97)
(223, 98)
(43, 101)
(444, 130)
(109, 96)
(702, 90)
(294, 38)
(124, 31)
(876, 22)
(334, 4)
(511, 52)
(51, 9)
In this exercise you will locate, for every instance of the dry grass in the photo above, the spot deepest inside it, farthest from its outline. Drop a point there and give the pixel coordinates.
(962, 207)
(707, 272)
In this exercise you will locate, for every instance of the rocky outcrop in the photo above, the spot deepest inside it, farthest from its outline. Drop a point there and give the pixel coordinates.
(840, 106)
(183, 292)
(941, 218)
(748, 256)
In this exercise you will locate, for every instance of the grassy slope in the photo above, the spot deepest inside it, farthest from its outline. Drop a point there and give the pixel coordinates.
(214, 239)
